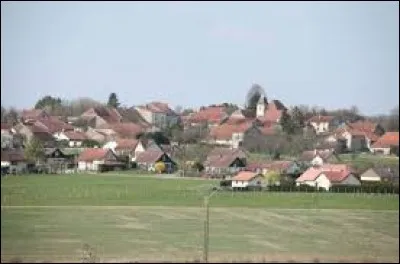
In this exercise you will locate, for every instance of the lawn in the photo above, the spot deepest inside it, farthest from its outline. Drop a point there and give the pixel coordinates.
(133, 218)
(114, 190)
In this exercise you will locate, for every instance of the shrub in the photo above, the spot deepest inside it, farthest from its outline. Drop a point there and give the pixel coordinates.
(160, 167)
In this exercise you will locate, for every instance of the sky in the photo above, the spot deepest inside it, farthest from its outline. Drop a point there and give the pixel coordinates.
(334, 55)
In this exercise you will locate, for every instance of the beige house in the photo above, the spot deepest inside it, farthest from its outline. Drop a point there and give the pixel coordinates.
(381, 175)
(245, 179)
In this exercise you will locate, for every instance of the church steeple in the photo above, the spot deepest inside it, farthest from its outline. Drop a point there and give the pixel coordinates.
(261, 105)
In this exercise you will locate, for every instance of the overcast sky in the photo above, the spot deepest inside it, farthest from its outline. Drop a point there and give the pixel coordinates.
(334, 54)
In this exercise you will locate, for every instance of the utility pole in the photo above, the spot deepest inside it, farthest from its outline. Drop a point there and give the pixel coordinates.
(207, 226)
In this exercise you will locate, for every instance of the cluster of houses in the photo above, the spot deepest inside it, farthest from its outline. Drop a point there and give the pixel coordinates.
(116, 143)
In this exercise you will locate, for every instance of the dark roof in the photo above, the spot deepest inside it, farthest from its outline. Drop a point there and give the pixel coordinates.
(149, 156)
(12, 155)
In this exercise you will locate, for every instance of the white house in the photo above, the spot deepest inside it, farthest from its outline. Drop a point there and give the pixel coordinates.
(245, 179)
(321, 124)
(325, 177)
(96, 159)
(74, 138)
(385, 143)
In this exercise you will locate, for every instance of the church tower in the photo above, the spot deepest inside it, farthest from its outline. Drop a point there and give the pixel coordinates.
(261, 106)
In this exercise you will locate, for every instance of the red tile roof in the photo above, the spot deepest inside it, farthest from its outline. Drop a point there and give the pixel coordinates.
(54, 124)
(126, 144)
(75, 135)
(336, 176)
(210, 114)
(387, 140)
(223, 157)
(91, 154)
(110, 115)
(149, 156)
(245, 176)
(312, 173)
(320, 119)
(125, 130)
(225, 131)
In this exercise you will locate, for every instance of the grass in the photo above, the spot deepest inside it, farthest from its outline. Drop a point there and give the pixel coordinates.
(114, 190)
(176, 234)
(144, 218)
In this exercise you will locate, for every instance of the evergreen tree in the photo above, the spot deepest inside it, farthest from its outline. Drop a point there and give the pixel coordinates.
(113, 100)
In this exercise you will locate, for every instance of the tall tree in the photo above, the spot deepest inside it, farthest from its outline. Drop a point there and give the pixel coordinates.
(298, 118)
(287, 124)
(113, 100)
(34, 150)
(48, 102)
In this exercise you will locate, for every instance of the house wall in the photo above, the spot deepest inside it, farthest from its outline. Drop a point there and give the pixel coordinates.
(370, 175)
(320, 127)
(147, 115)
(384, 151)
(317, 161)
(256, 181)
(88, 166)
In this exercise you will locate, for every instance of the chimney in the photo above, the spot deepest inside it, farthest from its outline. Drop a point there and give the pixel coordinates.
(315, 151)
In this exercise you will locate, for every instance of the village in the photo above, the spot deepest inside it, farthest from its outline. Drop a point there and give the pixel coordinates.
(212, 142)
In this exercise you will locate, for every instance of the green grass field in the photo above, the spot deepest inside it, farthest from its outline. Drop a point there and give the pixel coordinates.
(133, 218)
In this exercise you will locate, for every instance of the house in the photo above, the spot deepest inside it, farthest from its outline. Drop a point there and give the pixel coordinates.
(147, 160)
(211, 116)
(101, 115)
(318, 157)
(74, 138)
(33, 114)
(223, 162)
(387, 144)
(381, 174)
(363, 130)
(13, 161)
(98, 159)
(245, 179)
(99, 136)
(356, 140)
(229, 134)
(35, 129)
(158, 114)
(328, 175)
(126, 147)
(59, 161)
(322, 124)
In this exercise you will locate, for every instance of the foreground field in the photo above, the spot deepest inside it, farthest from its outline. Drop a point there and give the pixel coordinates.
(137, 218)
(117, 190)
(176, 234)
